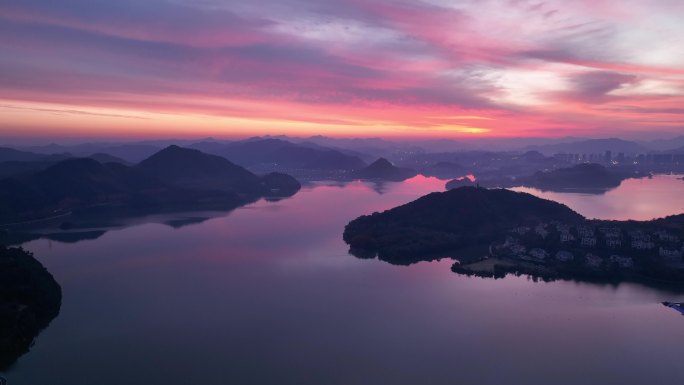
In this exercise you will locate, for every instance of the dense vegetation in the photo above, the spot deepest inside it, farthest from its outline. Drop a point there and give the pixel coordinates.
(194, 169)
(29, 299)
(649, 252)
(172, 179)
(449, 220)
(584, 177)
(580, 177)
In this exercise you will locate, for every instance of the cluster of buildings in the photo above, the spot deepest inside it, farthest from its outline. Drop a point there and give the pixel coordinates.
(593, 245)
(608, 158)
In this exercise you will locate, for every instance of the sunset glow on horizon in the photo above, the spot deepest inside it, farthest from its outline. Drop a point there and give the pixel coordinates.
(391, 68)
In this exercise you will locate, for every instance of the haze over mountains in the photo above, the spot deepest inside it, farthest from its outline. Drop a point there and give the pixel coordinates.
(368, 149)
(281, 154)
(593, 146)
(137, 174)
(172, 179)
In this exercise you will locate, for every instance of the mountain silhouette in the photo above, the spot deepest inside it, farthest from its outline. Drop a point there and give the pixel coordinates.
(584, 176)
(383, 169)
(277, 154)
(450, 220)
(172, 179)
(194, 169)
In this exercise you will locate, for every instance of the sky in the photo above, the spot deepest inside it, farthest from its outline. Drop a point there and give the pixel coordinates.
(390, 68)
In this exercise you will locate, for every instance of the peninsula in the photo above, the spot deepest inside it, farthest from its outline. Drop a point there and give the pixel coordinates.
(518, 233)
(445, 221)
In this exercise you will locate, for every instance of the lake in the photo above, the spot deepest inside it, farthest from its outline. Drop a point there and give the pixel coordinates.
(267, 294)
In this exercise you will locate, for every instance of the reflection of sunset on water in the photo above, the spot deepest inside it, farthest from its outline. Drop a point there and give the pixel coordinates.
(637, 199)
(273, 275)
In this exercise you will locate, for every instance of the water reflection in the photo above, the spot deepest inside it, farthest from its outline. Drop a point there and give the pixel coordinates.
(268, 294)
(89, 227)
(637, 199)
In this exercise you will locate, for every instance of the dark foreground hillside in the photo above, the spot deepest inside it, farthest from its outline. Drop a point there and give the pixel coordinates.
(30, 299)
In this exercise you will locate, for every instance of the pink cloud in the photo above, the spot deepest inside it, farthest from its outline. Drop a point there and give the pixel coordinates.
(336, 63)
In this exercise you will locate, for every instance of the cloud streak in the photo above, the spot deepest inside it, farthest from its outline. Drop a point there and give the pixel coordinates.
(528, 67)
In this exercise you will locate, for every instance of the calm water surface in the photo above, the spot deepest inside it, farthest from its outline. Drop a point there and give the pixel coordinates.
(267, 294)
(638, 199)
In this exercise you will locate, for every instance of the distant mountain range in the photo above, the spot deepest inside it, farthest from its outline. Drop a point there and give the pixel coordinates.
(173, 178)
(12, 155)
(593, 146)
(129, 152)
(666, 145)
(276, 154)
(15, 162)
(107, 158)
(679, 150)
(325, 158)
(361, 147)
(257, 154)
(392, 148)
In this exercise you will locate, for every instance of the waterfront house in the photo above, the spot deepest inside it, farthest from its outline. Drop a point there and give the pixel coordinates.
(585, 231)
(566, 237)
(640, 236)
(664, 236)
(640, 244)
(541, 231)
(522, 230)
(670, 256)
(563, 228)
(612, 232)
(539, 254)
(564, 256)
(593, 261)
(622, 262)
(589, 242)
(517, 249)
(613, 242)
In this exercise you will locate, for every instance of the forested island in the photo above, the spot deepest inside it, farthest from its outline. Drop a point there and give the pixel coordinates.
(383, 170)
(590, 178)
(517, 233)
(30, 299)
(585, 177)
(445, 221)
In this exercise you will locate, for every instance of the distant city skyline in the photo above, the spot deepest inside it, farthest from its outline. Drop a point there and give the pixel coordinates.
(94, 70)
